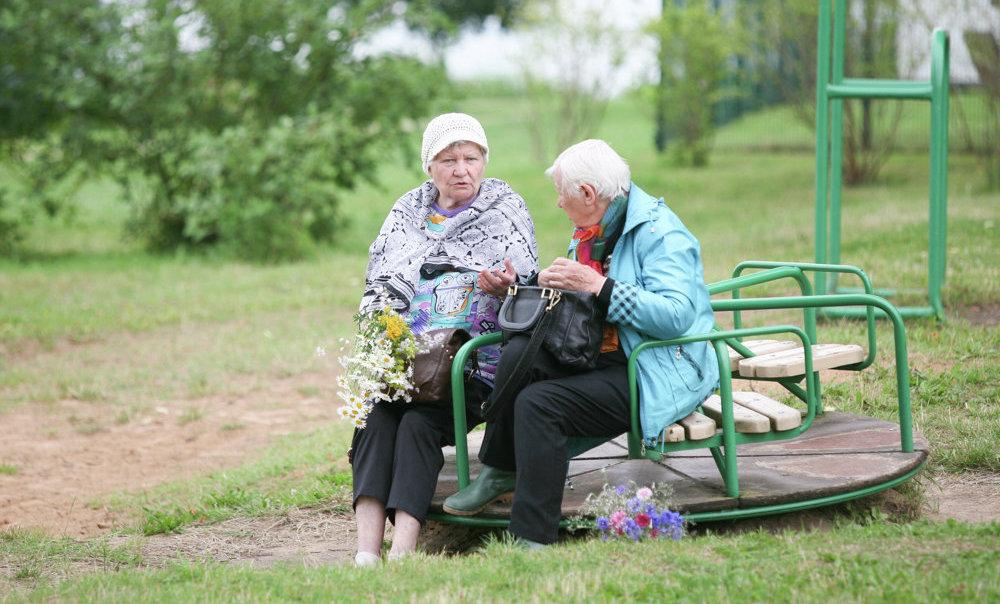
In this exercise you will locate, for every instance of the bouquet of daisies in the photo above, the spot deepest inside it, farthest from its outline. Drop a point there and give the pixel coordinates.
(379, 367)
(635, 513)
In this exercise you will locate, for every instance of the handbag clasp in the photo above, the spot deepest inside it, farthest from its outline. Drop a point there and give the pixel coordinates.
(552, 295)
(512, 289)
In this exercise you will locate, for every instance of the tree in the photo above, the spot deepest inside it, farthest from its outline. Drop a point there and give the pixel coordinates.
(230, 122)
(694, 43)
(984, 49)
(787, 37)
(53, 59)
(569, 91)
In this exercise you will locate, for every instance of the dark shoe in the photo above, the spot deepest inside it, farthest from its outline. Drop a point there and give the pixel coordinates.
(528, 544)
(490, 485)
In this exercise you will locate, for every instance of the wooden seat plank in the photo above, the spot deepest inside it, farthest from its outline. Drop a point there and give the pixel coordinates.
(746, 420)
(673, 433)
(698, 426)
(782, 416)
(759, 347)
(789, 363)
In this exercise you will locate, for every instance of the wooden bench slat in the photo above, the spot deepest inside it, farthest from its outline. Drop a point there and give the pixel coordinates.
(747, 421)
(782, 416)
(789, 363)
(759, 347)
(698, 426)
(673, 433)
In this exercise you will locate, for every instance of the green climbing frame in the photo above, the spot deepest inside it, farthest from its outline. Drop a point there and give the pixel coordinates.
(831, 90)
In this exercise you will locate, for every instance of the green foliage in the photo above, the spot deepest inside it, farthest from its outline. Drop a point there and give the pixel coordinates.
(694, 43)
(227, 123)
(11, 225)
(265, 194)
(446, 16)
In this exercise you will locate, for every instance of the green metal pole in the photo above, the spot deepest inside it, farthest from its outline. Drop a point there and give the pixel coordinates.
(822, 136)
(836, 143)
(939, 170)
(458, 403)
(731, 476)
(635, 433)
(775, 271)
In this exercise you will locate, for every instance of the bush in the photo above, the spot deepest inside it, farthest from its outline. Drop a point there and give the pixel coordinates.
(262, 194)
(694, 43)
(11, 231)
(227, 123)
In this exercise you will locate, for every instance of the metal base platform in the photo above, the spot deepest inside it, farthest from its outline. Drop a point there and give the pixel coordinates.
(841, 457)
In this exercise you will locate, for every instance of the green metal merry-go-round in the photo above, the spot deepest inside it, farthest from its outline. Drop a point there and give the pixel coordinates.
(769, 447)
(743, 453)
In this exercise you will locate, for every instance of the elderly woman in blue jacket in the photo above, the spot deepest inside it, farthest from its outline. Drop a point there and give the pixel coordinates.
(645, 267)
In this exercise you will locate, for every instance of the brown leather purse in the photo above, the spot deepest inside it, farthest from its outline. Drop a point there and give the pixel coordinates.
(432, 365)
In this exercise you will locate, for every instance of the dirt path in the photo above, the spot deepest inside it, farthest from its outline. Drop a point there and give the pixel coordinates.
(70, 454)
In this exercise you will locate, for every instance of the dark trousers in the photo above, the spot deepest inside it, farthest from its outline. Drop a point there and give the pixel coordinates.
(530, 435)
(397, 457)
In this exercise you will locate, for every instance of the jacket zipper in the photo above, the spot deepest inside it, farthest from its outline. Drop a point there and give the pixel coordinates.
(691, 362)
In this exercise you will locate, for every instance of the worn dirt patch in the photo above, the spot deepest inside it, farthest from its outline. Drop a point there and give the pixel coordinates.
(309, 536)
(69, 454)
(312, 537)
(980, 314)
(969, 497)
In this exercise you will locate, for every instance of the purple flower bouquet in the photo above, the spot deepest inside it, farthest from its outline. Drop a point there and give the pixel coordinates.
(635, 513)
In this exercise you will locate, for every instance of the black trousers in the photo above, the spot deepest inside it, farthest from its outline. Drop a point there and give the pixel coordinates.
(397, 457)
(530, 435)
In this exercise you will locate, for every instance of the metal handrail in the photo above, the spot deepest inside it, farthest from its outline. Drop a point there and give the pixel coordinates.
(826, 268)
(718, 338)
(727, 461)
(458, 402)
(774, 273)
(834, 300)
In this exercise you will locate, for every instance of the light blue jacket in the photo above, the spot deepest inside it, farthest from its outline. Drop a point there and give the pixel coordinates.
(659, 294)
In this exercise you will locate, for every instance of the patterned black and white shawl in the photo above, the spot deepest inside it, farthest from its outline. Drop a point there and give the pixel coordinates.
(496, 226)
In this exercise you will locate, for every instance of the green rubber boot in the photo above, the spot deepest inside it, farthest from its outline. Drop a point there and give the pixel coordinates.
(490, 485)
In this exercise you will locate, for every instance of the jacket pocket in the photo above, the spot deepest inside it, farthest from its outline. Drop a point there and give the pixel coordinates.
(689, 371)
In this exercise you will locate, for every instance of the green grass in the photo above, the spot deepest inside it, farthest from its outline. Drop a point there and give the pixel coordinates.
(296, 471)
(88, 316)
(30, 557)
(877, 563)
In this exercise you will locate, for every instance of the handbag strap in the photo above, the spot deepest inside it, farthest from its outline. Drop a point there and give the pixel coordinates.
(520, 371)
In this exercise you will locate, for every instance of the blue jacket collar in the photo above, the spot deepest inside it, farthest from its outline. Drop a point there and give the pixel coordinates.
(641, 206)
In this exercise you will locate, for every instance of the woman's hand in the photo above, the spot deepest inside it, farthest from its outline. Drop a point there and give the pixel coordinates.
(495, 282)
(571, 276)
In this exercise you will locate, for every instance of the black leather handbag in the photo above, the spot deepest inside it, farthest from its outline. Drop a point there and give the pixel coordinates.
(569, 325)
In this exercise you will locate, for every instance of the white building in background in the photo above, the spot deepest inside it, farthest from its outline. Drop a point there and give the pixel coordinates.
(914, 35)
(494, 53)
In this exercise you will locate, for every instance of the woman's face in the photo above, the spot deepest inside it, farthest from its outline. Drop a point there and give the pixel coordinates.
(457, 172)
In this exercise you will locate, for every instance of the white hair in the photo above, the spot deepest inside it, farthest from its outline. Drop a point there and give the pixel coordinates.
(591, 162)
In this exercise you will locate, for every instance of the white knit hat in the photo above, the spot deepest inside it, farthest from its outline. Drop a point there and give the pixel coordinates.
(448, 128)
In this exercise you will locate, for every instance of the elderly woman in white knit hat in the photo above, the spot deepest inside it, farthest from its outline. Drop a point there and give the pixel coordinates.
(443, 258)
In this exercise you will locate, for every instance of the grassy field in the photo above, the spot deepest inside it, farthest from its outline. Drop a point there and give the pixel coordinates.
(90, 318)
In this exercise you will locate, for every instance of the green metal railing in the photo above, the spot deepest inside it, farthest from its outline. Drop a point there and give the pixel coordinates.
(833, 300)
(831, 90)
(725, 460)
(721, 445)
(866, 287)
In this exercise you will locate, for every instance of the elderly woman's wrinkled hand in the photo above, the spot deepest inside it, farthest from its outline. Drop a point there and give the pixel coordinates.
(571, 276)
(495, 282)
